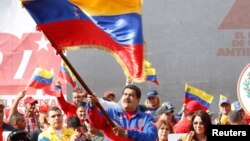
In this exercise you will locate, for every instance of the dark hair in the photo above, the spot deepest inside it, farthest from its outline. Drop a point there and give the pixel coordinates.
(206, 120)
(135, 88)
(73, 122)
(54, 108)
(19, 135)
(81, 104)
(15, 117)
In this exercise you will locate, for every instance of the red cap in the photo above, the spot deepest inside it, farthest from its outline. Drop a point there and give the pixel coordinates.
(30, 100)
(193, 106)
(108, 93)
(44, 108)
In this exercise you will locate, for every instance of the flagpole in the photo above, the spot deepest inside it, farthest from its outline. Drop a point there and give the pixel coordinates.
(85, 86)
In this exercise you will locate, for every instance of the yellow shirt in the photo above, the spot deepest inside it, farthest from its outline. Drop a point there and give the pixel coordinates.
(50, 135)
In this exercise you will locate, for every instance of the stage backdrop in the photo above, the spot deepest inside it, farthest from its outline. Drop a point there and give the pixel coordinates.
(22, 49)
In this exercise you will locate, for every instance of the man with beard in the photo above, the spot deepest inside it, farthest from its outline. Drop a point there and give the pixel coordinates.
(131, 123)
(29, 112)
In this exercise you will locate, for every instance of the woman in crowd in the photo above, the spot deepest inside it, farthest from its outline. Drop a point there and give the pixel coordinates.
(164, 128)
(200, 122)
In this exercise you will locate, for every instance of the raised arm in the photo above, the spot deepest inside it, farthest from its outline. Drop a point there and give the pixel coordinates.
(13, 108)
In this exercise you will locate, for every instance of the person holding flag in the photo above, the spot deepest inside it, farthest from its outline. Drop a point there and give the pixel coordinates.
(131, 123)
(183, 125)
(69, 109)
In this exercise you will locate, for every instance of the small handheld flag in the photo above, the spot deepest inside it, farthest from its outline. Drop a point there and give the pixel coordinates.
(223, 96)
(150, 72)
(192, 93)
(66, 74)
(41, 78)
(52, 91)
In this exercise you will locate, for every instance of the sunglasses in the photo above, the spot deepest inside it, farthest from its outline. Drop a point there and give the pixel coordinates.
(196, 123)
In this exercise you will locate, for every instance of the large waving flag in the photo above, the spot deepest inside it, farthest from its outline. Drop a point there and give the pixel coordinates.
(66, 74)
(41, 78)
(113, 25)
(192, 93)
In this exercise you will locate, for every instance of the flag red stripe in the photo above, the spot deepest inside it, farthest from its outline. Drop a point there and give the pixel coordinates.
(70, 33)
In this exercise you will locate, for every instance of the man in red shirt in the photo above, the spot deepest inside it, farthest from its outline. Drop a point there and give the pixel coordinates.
(70, 108)
(183, 125)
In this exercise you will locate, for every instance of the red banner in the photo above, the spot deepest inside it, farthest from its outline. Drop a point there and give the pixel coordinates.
(20, 56)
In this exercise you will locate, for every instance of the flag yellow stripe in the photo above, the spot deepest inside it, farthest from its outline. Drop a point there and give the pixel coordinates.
(150, 71)
(44, 73)
(108, 7)
(203, 95)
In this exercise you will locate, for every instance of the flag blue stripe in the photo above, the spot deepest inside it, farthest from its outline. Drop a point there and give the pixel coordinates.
(43, 80)
(194, 97)
(125, 29)
(46, 11)
(151, 77)
(64, 70)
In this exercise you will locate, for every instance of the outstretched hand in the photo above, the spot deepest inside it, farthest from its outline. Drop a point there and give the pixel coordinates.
(21, 94)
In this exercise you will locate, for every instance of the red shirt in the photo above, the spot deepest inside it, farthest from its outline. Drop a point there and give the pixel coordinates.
(1, 134)
(182, 126)
(68, 108)
(101, 123)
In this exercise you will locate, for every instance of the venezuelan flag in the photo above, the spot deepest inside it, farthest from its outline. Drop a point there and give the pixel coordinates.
(223, 96)
(66, 74)
(41, 78)
(52, 91)
(150, 72)
(192, 93)
(112, 25)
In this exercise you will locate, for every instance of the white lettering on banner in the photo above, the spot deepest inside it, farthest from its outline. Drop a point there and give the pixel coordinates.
(23, 65)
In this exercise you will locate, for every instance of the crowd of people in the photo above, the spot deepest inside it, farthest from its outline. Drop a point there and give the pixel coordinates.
(153, 120)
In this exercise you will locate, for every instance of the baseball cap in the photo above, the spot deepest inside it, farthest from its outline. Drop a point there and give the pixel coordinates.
(225, 100)
(165, 107)
(152, 93)
(193, 106)
(44, 108)
(30, 100)
(108, 93)
(236, 106)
